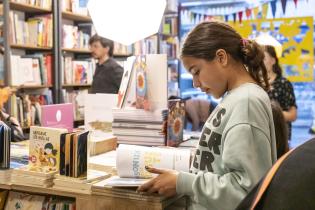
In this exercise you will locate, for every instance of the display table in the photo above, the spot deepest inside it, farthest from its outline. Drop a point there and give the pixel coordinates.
(109, 198)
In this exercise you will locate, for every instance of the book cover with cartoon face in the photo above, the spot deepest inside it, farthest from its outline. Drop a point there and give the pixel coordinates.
(44, 149)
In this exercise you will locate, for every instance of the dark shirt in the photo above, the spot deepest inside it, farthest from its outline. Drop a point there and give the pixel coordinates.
(282, 92)
(107, 77)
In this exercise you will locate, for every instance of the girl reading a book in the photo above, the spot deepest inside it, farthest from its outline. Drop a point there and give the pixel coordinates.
(237, 145)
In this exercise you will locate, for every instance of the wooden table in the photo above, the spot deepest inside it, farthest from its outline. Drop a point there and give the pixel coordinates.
(108, 198)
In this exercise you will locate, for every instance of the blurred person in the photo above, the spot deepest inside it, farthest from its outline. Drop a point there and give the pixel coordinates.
(281, 89)
(281, 129)
(108, 72)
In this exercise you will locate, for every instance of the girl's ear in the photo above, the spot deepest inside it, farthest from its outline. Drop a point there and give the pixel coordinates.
(222, 57)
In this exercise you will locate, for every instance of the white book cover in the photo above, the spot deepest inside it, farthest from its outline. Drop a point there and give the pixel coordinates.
(98, 114)
(131, 160)
(125, 81)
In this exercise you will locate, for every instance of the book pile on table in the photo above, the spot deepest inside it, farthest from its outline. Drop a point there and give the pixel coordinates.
(5, 174)
(44, 146)
(32, 177)
(138, 127)
(80, 184)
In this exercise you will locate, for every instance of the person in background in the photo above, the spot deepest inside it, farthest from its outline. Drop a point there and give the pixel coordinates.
(198, 111)
(108, 72)
(281, 89)
(237, 145)
(281, 129)
(14, 124)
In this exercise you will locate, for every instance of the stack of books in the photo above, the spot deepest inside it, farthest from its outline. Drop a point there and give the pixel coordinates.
(32, 177)
(5, 174)
(138, 127)
(80, 184)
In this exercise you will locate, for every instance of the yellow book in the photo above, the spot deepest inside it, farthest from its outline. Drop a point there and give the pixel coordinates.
(44, 149)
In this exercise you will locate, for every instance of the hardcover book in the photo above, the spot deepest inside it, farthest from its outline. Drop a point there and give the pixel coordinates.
(44, 149)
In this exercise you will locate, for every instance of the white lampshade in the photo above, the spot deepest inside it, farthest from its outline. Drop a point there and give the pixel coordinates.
(266, 39)
(126, 21)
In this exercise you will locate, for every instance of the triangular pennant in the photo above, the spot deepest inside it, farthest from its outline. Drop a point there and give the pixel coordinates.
(295, 3)
(248, 13)
(264, 11)
(283, 4)
(240, 16)
(273, 5)
(203, 18)
(234, 17)
(226, 18)
(256, 11)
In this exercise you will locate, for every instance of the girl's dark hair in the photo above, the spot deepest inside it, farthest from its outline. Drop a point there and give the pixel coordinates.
(50, 146)
(281, 129)
(207, 37)
(272, 52)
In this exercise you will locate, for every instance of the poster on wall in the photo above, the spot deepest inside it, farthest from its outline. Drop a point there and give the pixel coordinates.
(296, 37)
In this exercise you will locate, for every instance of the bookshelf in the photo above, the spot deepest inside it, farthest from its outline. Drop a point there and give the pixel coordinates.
(169, 44)
(29, 49)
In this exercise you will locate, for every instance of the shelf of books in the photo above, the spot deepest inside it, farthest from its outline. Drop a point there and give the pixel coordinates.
(30, 58)
(169, 44)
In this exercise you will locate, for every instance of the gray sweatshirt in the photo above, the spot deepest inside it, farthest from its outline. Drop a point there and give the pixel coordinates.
(236, 148)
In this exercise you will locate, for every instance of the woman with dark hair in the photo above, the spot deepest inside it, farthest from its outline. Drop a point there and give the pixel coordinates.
(281, 89)
(237, 145)
(281, 129)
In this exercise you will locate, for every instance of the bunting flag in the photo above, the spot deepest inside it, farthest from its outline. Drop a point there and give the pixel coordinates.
(295, 3)
(256, 11)
(273, 5)
(234, 17)
(194, 18)
(283, 4)
(264, 11)
(240, 16)
(248, 13)
(226, 18)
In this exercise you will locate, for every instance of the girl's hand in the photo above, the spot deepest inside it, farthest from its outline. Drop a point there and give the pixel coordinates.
(164, 184)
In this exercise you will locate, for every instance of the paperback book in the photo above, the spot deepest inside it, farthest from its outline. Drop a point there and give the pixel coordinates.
(131, 161)
(175, 122)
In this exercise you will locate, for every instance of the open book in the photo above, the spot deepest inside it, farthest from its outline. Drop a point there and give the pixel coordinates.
(131, 161)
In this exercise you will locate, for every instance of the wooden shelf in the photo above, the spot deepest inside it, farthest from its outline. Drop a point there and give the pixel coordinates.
(122, 55)
(28, 8)
(74, 50)
(32, 86)
(76, 17)
(76, 85)
(5, 186)
(29, 47)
